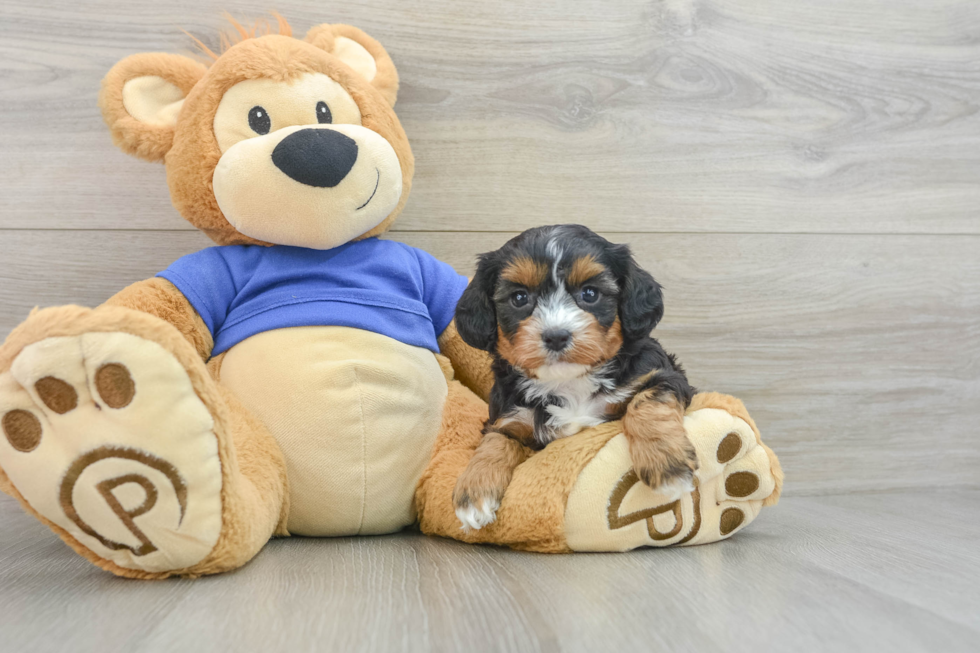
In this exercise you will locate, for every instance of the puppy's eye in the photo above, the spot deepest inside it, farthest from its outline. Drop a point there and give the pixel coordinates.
(590, 295)
(259, 121)
(519, 299)
(323, 115)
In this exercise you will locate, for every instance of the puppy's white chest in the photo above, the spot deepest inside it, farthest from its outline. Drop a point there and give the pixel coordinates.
(565, 421)
(580, 407)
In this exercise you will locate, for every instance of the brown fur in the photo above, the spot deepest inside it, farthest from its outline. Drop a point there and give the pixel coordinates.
(446, 367)
(524, 350)
(515, 429)
(617, 411)
(659, 448)
(583, 269)
(525, 272)
(149, 142)
(385, 79)
(489, 471)
(505, 445)
(594, 345)
(160, 298)
(470, 365)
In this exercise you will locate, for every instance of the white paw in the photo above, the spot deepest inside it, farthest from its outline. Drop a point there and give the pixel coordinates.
(677, 487)
(474, 518)
(105, 436)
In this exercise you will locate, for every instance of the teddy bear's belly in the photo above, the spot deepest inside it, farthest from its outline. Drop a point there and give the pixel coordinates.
(356, 415)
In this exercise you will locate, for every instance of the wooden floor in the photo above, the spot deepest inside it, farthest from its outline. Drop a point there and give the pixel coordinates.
(868, 572)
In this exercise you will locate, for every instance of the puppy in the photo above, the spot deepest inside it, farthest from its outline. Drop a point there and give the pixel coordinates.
(567, 317)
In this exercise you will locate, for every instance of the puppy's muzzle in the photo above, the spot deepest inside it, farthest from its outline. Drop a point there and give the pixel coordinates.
(316, 157)
(556, 340)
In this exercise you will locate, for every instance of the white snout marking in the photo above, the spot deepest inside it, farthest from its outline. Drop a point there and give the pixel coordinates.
(559, 311)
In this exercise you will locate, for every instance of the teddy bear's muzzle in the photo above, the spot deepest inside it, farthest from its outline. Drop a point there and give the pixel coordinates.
(315, 186)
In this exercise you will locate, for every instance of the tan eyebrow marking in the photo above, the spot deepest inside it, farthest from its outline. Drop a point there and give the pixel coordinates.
(526, 272)
(583, 269)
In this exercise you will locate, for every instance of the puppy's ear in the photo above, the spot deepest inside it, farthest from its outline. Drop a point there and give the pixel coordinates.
(141, 98)
(641, 302)
(476, 315)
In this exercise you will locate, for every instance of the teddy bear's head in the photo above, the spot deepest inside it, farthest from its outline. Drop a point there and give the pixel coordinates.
(279, 141)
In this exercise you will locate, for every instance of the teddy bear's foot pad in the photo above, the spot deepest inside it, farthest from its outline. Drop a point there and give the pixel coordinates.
(105, 437)
(609, 509)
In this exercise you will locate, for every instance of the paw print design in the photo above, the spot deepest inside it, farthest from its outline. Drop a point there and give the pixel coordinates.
(105, 438)
(610, 509)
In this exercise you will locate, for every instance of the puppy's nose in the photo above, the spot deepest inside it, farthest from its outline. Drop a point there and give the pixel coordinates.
(556, 339)
(316, 157)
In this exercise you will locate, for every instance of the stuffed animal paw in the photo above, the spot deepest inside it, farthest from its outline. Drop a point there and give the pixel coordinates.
(610, 509)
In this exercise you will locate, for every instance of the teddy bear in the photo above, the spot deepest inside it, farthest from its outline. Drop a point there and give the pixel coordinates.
(303, 376)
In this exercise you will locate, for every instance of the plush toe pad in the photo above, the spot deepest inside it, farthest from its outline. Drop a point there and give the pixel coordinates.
(609, 509)
(104, 435)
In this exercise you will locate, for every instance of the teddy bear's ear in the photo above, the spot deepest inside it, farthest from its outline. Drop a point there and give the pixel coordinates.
(141, 97)
(361, 52)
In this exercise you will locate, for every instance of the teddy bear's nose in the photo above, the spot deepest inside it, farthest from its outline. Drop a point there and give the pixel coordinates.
(316, 157)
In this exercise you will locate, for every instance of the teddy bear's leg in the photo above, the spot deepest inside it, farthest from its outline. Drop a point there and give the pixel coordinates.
(581, 494)
(115, 435)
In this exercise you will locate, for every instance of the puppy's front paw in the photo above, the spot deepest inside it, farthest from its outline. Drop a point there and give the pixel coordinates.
(476, 501)
(476, 514)
(666, 464)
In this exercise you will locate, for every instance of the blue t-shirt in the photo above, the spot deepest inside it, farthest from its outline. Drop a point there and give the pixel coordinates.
(376, 285)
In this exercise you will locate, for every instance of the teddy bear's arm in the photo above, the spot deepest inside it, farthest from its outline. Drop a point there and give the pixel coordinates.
(471, 365)
(160, 298)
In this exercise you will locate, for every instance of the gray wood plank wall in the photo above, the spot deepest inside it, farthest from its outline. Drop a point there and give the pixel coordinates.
(803, 177)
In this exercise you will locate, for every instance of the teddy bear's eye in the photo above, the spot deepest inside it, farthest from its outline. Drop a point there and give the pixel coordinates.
(259, 121)
(323, 115)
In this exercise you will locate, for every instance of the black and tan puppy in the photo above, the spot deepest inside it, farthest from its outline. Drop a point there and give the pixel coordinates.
(567, 316)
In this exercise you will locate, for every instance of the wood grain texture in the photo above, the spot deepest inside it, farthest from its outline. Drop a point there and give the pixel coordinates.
(843, 116)
(801, 176)
(858, 356)
(893, 572)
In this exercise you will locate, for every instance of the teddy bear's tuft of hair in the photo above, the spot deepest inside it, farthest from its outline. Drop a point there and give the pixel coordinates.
(239, 33)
